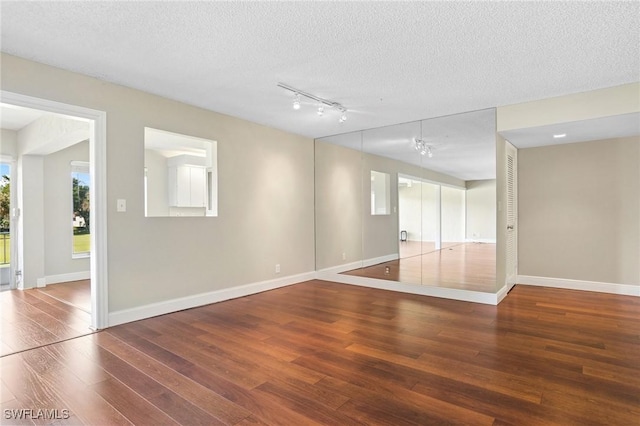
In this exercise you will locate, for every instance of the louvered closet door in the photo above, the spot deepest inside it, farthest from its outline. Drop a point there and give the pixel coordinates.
(512, 214)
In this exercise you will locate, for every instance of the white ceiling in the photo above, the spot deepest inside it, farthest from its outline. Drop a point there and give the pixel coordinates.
(463, 145)
(386, 62)
(617, 126)
(15, 118)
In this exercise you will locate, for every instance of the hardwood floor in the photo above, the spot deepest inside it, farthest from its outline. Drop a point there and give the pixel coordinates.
(465, 266)
(31, 318)
(75, 293)
(327, 353)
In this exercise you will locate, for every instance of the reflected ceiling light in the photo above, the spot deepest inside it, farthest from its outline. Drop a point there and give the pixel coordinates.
(423, 148)
(559, 135)
(323, 102)
(343, 115)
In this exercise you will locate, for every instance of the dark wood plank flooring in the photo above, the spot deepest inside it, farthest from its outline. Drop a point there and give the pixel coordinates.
(327, 353)
(74, 293)
(464, 266)
(31, 318)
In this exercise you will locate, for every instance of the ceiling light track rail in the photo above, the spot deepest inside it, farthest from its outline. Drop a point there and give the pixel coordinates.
(321, 101)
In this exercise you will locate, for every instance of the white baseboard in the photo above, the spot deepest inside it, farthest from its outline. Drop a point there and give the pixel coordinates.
(381, 259)
(63, 278)
(481, 240)
(423, 290)
(338, 269)
(356, 265)
(174, 305)
(613, 288)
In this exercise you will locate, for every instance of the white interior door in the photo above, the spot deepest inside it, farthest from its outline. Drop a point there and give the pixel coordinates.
(512, 214)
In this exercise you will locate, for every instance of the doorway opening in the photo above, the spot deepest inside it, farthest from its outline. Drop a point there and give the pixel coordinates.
(68, 286)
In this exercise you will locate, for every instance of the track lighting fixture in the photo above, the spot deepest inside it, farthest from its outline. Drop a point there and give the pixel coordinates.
(321, 101)
(423, 148)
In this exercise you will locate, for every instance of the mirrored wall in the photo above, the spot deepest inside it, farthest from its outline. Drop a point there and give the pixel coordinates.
(413, 203)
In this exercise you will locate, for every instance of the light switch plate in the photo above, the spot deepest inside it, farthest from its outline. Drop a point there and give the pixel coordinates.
(121, 205)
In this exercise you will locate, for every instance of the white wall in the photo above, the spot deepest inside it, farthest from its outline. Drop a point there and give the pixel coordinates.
(265, 196)
(481, 210)
(580, 211)
(9, 143)
(51, 133)
(157, 184)
(58, 211)
(45, 213)
(453, 214)
(31, 221)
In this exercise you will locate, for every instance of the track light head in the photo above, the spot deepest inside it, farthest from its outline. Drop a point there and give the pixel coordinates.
(322, 103)
(423, 148)
(343, 115)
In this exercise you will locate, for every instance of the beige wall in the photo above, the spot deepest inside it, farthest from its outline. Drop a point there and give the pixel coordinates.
(344, 223)
(265, 193)
(606, 102)
(580, 211)
(481, 210)
(338, 183)
(58, 211)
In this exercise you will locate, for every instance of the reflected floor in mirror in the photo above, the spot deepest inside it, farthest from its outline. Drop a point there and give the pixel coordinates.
(465, 266)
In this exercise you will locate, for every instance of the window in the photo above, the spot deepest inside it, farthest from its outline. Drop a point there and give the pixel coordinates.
(5, 219)
(80, 190)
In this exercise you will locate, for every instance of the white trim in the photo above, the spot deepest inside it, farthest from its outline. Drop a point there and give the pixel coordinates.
(98, 170)
(423, 290)
(381, 259)
(174, 305)
(481, 240)
(613, 288)
(334, 274)
(338, 269)
(63, 278)
(502, 293)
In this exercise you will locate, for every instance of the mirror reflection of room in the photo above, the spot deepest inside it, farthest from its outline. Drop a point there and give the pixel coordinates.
(441, 226)
(180, 175)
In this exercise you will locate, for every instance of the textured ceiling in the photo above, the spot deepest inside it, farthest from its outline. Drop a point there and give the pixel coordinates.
(387, 62)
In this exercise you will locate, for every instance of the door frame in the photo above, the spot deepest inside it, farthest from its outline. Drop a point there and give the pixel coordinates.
(98, 197)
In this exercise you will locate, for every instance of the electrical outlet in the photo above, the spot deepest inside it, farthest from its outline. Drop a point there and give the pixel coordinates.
(344, 256)
(277, 268)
